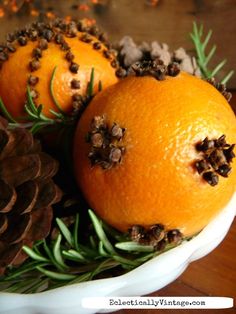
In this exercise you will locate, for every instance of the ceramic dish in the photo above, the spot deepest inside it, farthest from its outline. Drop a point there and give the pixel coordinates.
(151, 276)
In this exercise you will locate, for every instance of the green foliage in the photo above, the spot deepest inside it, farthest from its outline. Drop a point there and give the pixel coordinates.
(67, 259)
(203, 58)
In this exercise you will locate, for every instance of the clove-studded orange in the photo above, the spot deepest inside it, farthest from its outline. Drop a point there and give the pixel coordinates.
(159, 179)
(30, 57)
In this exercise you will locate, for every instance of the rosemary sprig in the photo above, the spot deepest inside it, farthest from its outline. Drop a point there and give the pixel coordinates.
(6, 114)
(37, 120)
(204, 58)
(90, 88)
(53, 94)
(68, 260)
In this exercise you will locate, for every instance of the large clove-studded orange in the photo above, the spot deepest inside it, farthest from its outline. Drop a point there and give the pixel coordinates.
(159, 179)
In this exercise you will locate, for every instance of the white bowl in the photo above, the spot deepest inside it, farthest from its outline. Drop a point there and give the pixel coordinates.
(149, 277)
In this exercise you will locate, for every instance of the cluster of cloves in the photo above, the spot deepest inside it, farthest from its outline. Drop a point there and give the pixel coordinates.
(155, 68)
(155, 235)
(221, 88)
(106, 150)
(217, 156)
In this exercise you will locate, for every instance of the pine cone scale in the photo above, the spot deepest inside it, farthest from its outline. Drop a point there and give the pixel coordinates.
(40, 228)
(8, 254)
(41, 224)
(58, 195)
(36, 147)
(18, 228)
(49, 166)
(20, 142)
(25, 167)
(7, 197)
(3, 123)
(3, 223)
(3, 140)
(27, 194)
(48, 194)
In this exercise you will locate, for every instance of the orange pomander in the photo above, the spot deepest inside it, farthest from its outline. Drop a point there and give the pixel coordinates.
(156, 152)
(31, 56)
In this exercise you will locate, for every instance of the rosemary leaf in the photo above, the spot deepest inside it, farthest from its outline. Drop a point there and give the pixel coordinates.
(71, 257)
(118, 236)
(76, 232)
(39, 110)
(209, 56)
(133, 246)
(86, 250)
(227, 77)
(21, 286)
(81, 278)
(75, 254)
(90, 89)
(50, 254)
(23, 269)
(100, 233)
(40, 285)
(33, 111)
(65, 231)
(58, 115)
(208, 37)
(31, 115)
(55, 275)
(37, 126)
(144, 258)
(125, 261)
(101, 250)
(127, 267)
(52, 91)
(57, 252)
(48, 251)
(38, 243)
(26, 285)
(201, 30)
(218, 68)
(92, 242)
(5, 112)
(30, 102)
(35, 256)
(104, 265)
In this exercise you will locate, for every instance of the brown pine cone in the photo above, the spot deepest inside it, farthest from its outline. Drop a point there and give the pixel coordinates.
(27, 192)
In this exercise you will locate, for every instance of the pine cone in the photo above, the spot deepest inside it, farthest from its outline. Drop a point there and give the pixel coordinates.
(27, 193)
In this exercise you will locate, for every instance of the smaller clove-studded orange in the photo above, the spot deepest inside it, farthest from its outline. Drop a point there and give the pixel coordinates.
(69, 50)
(173, 162)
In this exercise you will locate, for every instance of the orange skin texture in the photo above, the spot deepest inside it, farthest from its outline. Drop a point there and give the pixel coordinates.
(156, 181)
(15, 72)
